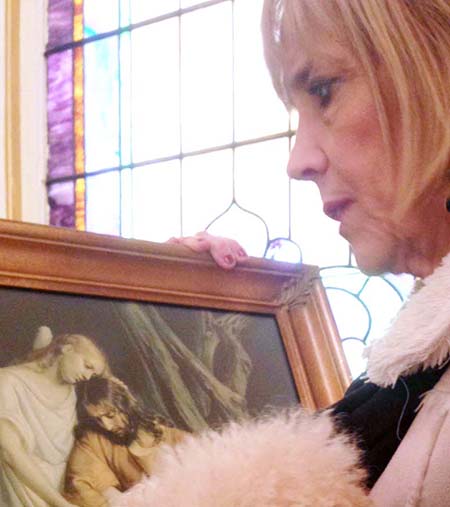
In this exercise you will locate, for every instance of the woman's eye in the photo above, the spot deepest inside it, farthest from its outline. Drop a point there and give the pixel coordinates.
(323, 90)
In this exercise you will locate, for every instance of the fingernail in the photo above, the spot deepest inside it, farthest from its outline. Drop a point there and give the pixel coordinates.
(229, 259)
(242, 253)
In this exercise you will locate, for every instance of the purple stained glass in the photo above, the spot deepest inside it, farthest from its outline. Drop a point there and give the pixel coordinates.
(60, 22)
(61, 198)
(60, 114)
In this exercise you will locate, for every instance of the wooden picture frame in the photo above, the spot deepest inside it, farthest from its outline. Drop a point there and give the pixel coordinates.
(58, 261)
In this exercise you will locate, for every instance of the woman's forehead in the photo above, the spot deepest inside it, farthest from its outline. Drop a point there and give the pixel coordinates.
(301, 64)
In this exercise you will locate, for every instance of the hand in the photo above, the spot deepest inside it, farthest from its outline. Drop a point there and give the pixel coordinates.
(225, 252)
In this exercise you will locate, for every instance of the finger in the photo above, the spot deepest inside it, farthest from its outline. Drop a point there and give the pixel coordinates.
(225, 260)
(174, 241)
(196, 244)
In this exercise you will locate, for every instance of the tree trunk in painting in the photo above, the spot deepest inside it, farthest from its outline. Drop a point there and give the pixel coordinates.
(199, 386)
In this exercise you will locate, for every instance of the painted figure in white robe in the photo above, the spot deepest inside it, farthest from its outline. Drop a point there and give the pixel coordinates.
(37, 417)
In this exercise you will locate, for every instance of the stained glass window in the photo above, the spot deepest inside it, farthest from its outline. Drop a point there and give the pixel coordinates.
(162, 122)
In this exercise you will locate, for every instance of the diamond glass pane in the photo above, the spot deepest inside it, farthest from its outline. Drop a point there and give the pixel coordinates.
(100, 16)
(101, 91)
(207, 189)
(156, 201)
(102, 203)
(259, 111)
(262, 184)
(155, 91)
(206, 77)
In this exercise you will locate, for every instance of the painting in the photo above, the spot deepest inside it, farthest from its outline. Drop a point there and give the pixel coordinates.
(126, 336)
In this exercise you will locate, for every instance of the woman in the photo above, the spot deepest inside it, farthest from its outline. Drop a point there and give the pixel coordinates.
(37, 417)
(370, 80)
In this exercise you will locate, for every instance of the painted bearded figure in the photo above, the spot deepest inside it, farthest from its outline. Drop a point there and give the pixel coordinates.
(116, 442)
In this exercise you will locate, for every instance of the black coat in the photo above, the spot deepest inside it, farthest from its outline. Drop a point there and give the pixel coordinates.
(379, 417)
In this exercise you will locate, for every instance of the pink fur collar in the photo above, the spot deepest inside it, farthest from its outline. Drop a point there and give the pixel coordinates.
(420, 336)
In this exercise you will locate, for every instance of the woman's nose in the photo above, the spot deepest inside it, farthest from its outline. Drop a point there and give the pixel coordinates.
(307, 159)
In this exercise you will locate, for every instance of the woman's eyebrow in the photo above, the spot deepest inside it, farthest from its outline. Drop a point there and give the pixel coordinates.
(297, 80)
(300, 78)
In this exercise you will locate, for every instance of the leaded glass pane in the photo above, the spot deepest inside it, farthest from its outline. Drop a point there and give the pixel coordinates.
(100, 16)
(189, 3)
(60, 22)
(142, 10)
(155, 91)
(207, 189)
(354, 352)
(206, 77)
(244, 226)
(125, 99)
(348, 278)
(259, 111)
(101, 95)
(126, 203)
(61, 198)
(125, 13)
(384, 303)
(60, 114)
(317, 234)
(102, 203)
(262, 184)
(156, 201)
(282, 249)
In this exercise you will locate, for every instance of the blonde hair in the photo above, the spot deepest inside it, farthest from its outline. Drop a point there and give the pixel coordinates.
(410, 40)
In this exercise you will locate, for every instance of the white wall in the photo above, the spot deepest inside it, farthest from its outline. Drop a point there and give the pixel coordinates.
(32, 95)
(33, 36)
(2, 112)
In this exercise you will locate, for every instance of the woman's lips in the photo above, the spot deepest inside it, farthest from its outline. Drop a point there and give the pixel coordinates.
(336, 209)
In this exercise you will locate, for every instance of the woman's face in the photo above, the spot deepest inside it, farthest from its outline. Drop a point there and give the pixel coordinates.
(339, 146)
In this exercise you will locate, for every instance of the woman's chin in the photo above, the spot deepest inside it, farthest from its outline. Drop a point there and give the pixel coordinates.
(373, 258)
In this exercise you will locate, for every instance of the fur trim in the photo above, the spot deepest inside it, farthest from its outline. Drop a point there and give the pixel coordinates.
(420, 336)
(293, 460)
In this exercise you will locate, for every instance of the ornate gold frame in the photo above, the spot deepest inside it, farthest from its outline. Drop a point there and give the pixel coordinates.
(61, 260)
